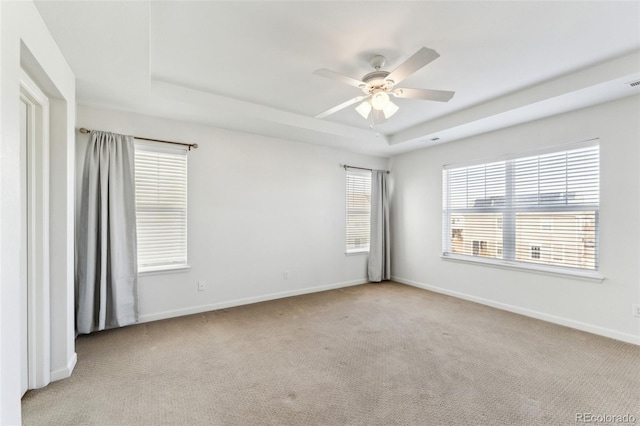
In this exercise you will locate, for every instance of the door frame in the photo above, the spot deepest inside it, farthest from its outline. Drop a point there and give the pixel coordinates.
(38, 286)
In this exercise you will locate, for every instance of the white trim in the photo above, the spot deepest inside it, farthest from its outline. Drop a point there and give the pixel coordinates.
(246, 301)
(567, 322)
(165, 269)
(356, 252)
(38, 299)
(526, 267)
(64, 373)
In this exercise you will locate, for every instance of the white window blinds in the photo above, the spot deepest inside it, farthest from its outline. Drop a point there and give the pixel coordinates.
(539, 209)
(358, 210)
(161, 207)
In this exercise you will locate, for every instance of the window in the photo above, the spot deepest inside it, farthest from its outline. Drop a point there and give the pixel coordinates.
(535, 252)
(358, 210)
(476, 248)
(161, 207)
(534, 209)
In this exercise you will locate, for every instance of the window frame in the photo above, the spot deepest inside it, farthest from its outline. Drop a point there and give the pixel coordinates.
(176, 266)
(362, 173)
(509, 224)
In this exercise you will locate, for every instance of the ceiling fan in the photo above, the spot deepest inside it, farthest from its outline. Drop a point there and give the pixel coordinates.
(378, 85)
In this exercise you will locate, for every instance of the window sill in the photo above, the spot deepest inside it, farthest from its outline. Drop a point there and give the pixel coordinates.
(356, 253)
(537, 269)
(164, 270)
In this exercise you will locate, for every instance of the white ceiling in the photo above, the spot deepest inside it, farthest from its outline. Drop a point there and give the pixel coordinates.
(248, 65)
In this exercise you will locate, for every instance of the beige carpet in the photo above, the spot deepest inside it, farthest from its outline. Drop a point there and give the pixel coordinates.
(375, 354)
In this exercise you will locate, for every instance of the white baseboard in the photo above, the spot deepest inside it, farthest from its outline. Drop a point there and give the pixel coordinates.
(567, 322)
(63, 373)
(245, 301)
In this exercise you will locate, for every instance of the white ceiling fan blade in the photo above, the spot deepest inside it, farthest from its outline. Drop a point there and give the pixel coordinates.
(424, 94)
(419, 59)
(342, 78)
(341, 106)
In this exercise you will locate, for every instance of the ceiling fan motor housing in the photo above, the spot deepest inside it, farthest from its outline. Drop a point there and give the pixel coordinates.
(376, 80)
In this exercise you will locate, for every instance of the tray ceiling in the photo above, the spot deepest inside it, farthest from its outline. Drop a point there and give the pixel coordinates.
(248, 65)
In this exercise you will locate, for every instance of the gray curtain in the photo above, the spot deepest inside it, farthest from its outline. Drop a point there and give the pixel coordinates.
(379, 249)
(106, 281)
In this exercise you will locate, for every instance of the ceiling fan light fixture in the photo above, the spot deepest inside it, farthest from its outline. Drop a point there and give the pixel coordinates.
(390, 109)
(379, 100)
(378, 85)
(364, 109)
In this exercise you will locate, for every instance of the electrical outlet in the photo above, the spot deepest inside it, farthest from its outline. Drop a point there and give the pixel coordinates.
(202, 286)
(636, 310)
(285, 275)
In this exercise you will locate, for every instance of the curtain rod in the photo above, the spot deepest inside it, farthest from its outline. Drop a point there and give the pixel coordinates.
(190, 145)
(360, 168)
